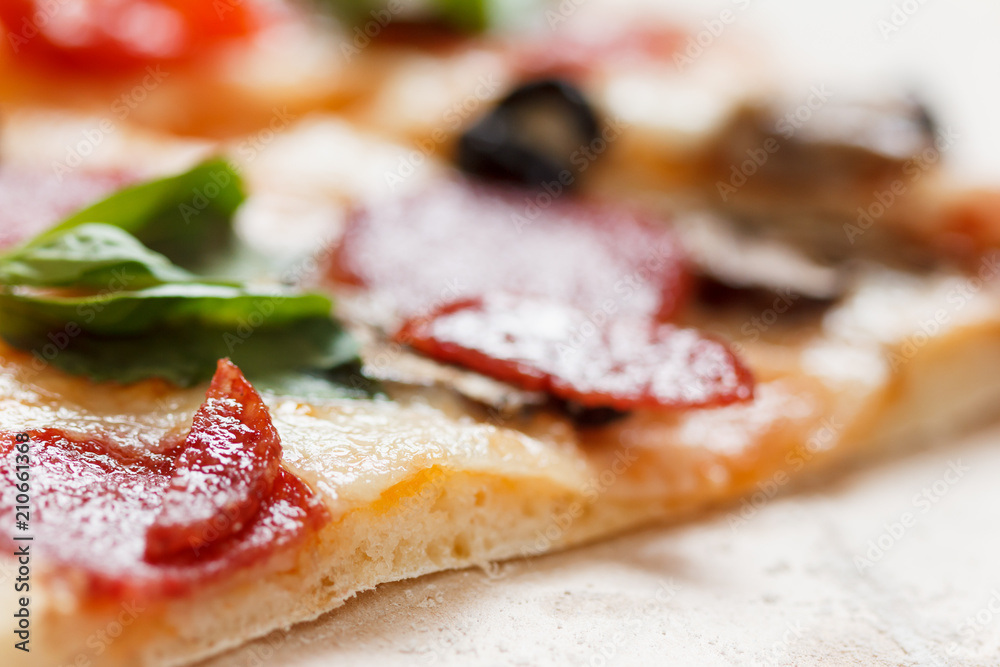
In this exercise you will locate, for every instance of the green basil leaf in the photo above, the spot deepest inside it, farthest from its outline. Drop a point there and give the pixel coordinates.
(188, 304)
(90, 255)
(344, 381)
(116, 305)
(469, 15)
(187, 217)
(187, 356)
(169, 332)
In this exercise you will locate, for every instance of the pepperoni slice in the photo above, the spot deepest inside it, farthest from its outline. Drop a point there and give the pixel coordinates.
(458, 239)
(230, 462)
(621, 362)
(100, 505)
(34, 200)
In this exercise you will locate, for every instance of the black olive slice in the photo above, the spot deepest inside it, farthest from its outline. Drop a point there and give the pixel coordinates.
(529, 138)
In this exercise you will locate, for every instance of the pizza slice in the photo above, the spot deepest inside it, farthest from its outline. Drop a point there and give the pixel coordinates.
(203, 448)
(210, 516)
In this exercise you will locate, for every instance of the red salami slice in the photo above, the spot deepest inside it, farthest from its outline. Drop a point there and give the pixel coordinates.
(34, 200)
(459, 240)
(229, 464)
(136, 522)
(624, 362)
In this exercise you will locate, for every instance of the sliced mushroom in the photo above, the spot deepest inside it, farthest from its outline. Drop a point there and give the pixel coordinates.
(729, 254)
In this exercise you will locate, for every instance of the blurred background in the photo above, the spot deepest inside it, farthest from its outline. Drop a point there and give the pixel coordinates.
(948, 51)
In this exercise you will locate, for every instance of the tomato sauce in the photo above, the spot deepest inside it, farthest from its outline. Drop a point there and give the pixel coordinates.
(101, 36)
